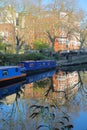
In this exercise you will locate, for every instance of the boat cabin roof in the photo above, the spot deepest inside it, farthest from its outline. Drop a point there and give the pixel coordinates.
(36, 61)
(8, 67)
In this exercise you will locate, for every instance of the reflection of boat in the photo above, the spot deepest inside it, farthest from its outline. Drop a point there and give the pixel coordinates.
(36, 77)
(8, 90)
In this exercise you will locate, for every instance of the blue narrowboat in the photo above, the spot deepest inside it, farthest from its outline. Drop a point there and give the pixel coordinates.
(9, 73)
(13, 74)
(38, 65)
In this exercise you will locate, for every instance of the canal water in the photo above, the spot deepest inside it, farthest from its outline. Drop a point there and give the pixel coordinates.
(52, 100)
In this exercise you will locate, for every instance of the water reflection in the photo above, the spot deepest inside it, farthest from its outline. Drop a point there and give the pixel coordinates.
(66, 82)
(47, 101)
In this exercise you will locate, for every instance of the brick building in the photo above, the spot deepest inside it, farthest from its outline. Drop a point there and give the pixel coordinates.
(68, 38)
(30, 28)
(7, 32)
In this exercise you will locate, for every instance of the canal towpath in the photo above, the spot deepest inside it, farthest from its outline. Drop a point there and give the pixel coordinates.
(72, 60)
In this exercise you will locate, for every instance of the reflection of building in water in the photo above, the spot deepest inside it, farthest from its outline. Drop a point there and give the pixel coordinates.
(37, 89)
(84, 77)
(28, 91)
(33, 91)
(62, 80)
(66, 82)
(9, 99)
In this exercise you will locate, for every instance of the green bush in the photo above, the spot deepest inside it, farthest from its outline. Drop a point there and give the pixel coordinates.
(40, 44)
(14, 59)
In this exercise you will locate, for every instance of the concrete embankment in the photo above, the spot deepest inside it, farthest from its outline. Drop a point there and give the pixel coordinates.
(73, 60)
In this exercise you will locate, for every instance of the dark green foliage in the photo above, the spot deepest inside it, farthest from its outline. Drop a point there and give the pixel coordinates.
(14, 59)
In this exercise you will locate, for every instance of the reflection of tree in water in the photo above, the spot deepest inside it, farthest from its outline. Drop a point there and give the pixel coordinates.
(67, 93)
(61, 121)
(50, 118)
(12, 113)
(65, 89)
(44, 113)
(80, 100)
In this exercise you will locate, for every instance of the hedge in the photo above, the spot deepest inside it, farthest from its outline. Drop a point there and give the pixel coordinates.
(14, 59)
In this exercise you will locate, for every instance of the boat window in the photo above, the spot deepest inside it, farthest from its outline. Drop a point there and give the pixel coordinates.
(21, 64)
(43, 63)
(4, 72)
(31, 64)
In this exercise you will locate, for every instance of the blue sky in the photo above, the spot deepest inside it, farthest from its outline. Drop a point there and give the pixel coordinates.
(83, 4)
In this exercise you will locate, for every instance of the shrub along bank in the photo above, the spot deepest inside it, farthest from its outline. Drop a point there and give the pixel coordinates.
(14, 59)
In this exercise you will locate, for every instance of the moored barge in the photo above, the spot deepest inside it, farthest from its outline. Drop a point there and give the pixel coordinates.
(37, 66)
(10, 74)
(13, 74)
